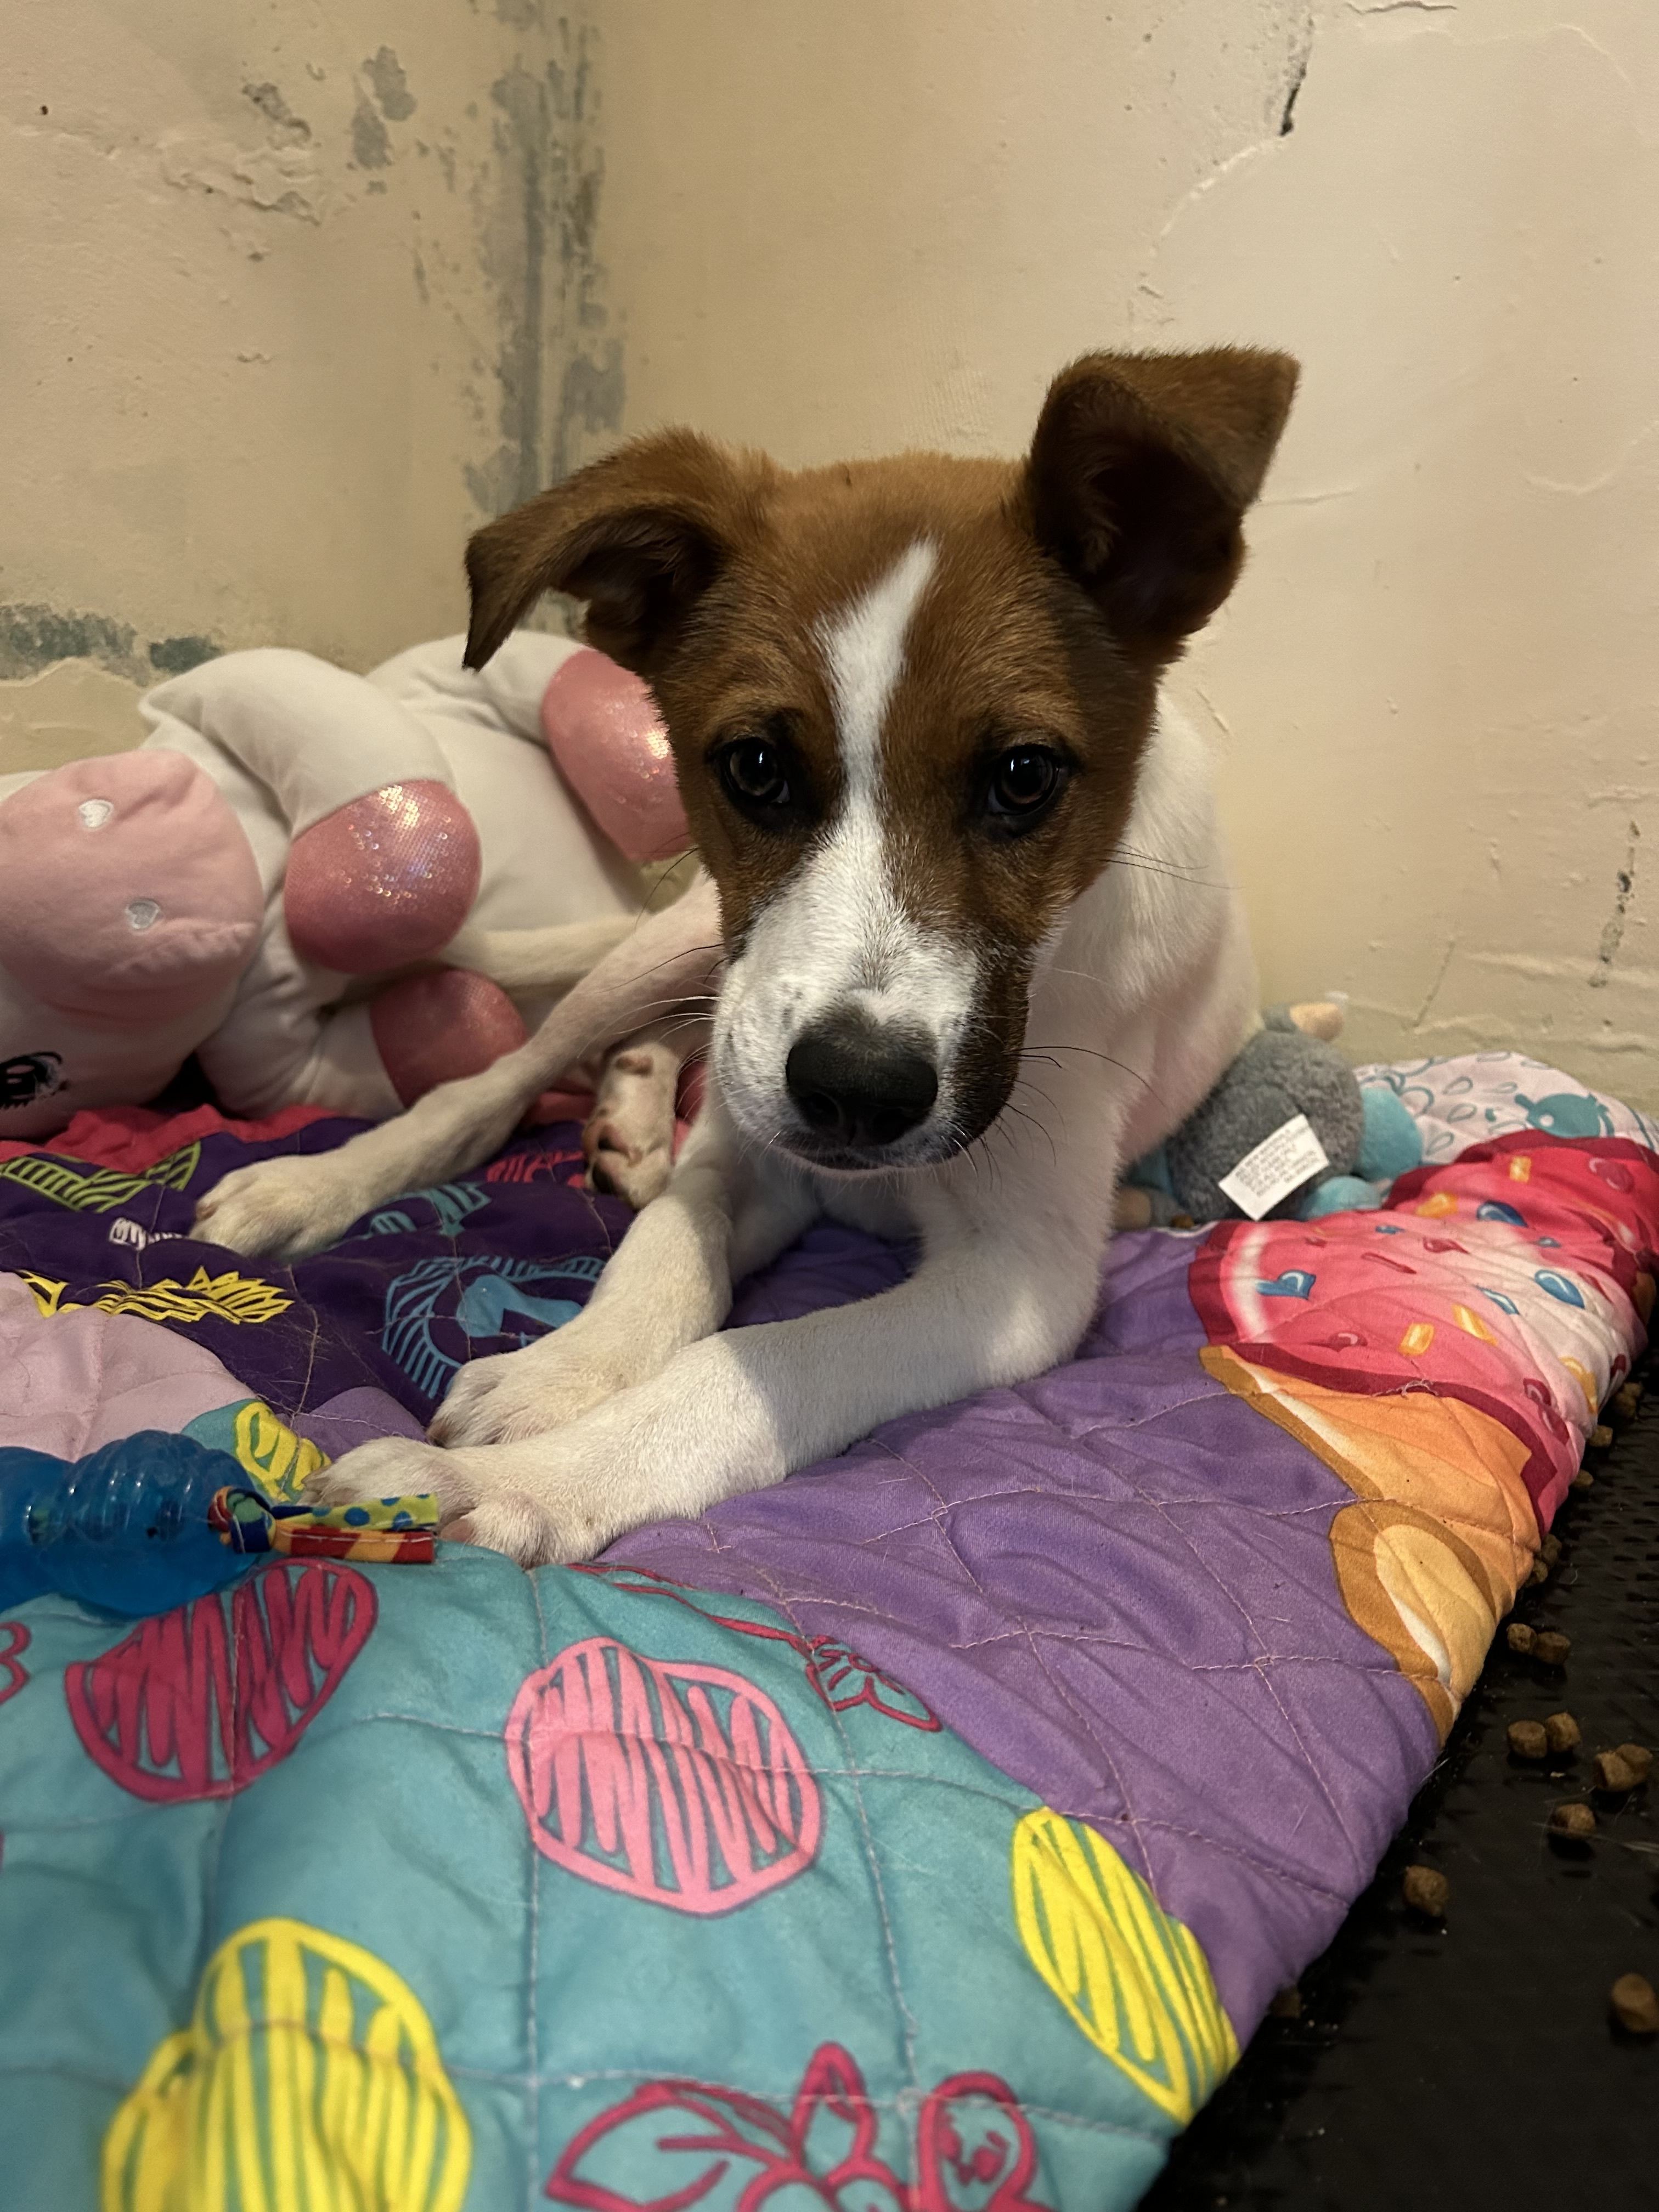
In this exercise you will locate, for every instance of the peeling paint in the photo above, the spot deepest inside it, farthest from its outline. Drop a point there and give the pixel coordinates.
(371, 144)
(538, 246)
(285, 179)
(386, 75)
(1612, 931)
(173, 656)
(257, 373)
(33, 637)
(591, 397)
(289, 129)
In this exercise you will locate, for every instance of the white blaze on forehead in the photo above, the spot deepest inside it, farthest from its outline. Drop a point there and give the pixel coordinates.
(835, 939)
(863, 649)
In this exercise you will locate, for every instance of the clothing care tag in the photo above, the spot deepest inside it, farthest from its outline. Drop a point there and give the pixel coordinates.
(1279, 1165)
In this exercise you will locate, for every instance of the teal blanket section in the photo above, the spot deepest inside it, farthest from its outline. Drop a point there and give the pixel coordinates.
(485, 1888)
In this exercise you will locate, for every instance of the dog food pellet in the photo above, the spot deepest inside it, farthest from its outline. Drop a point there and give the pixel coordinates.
(1519, 1637)
(1425, 1891)
(1613, 1772)
(1572, 1819)
(1537, 1574)
(1551, 1550)
(1627, 1402)
(1638, 1758)
(1634, 2005)
(1561, 1733)
(1552, 1647)
(1529, 1739)
(1287, 2005)
(1601, 1436)
(1584, 1479)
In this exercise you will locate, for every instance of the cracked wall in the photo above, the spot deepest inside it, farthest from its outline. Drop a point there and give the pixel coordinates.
(297, 297)
(845, 229)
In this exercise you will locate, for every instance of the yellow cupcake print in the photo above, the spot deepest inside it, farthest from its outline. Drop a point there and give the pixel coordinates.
(308, 2080)
(1133, 1978)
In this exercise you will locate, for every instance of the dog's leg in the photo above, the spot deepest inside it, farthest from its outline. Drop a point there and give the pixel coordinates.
(999, 1295)
(286, 1208)
(628, 1141)
(669, 1284)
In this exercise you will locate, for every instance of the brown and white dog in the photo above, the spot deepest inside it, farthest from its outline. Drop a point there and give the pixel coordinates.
(980, 946)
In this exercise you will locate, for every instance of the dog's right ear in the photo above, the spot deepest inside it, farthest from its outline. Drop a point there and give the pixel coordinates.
(639, 536)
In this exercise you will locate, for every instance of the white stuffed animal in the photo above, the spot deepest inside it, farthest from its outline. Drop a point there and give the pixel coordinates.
(321, 883)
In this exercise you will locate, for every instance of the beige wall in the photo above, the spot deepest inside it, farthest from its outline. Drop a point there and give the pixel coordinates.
(844, 227)
(292, 297)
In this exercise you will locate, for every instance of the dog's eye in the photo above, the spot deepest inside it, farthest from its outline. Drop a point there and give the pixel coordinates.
(1023, 784)
(756, 774)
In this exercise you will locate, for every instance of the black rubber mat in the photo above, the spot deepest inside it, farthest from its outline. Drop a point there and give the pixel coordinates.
(1475, 2064)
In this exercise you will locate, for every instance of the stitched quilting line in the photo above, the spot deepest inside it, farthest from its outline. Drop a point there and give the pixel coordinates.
(1135, 1826)
(1016, 1806)
(1129, 1819)
(907, 2017)
(1381, 1665)
(1082, 1718)
(1005, 1494)
(1132, 1822)
(532, 2024)
(1262, 1667)
(56, 2070)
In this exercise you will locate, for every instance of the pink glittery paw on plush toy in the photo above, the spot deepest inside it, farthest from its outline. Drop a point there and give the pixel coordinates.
(338, 890)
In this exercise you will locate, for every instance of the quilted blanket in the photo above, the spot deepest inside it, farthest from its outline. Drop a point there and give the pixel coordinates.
(925, 1834)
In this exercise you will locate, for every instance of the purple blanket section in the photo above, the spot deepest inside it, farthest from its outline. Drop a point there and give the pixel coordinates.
(1116, 1583)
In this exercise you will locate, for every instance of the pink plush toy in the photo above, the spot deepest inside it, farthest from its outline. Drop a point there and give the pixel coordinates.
(333, 889)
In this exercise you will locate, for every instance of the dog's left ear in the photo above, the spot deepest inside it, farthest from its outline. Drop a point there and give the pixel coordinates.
(1140, 474)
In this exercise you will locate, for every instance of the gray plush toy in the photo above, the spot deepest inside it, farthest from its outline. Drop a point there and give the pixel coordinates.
(1289, 1068)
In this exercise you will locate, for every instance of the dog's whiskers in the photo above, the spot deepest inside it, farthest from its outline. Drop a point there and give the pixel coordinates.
(1047, 1051)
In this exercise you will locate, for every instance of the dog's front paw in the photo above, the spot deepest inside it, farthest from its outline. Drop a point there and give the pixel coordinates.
(669, 1447)
(538, 1501)
(281, 1209)
(395, 1466)
(487, 1497)
(525, 1393)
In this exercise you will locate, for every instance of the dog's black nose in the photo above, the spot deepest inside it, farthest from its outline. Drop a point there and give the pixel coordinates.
(854, 1082)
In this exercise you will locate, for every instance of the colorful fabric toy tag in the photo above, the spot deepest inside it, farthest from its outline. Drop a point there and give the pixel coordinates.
(401, 1531)
(1279, 1165)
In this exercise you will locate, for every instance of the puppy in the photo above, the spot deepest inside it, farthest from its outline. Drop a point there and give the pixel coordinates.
(980, 946)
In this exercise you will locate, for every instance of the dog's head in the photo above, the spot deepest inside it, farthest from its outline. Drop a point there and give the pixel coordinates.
(908, 700)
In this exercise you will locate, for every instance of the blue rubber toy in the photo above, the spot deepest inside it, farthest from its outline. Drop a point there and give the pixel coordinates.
(125, 1528)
